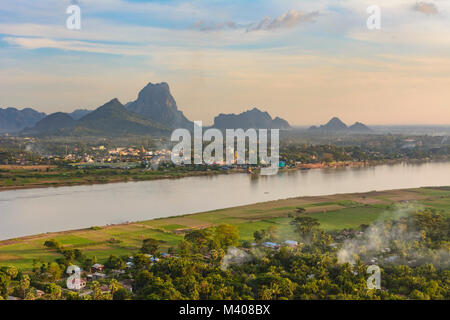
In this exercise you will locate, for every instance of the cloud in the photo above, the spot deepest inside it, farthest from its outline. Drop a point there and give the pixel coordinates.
(290, 19)
(71, 45)
(211, 26)
(426, 8)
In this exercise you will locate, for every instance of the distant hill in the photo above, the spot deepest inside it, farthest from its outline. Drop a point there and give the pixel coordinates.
(51, 124)
(359, 127)
(111, 119)
(254, 118)
(155, 102)
(335, 125)
(14, 120)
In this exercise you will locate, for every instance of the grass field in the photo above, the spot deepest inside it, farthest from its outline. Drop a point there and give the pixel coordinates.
(23, 177)
(334, 212)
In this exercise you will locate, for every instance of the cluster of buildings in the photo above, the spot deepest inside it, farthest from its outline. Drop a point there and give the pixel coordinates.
(102, 156)
(97, 272)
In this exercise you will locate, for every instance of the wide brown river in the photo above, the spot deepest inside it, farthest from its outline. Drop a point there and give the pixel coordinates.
(33, 211)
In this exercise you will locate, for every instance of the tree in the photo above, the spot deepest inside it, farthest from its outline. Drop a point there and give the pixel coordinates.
(24, 284)
(55, 271)
(70, 295)
(79, 255)
(30, 294)
(121, 294)
(35, 264)
(226, 235)
(97, 293)
(4, 283)
(306, 224)
(141, 261)
(434, 225)
(52, 244)
(272, 233)
(10, 271)
(53, 290)
(69, 255)
(199, 237)
(217, 255)
(259, 235)
(184, 248)
(114, 285)
(150, 246)
(115, 262)
(88, 263)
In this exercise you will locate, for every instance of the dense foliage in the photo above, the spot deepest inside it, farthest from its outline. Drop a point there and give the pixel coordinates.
(213, 264)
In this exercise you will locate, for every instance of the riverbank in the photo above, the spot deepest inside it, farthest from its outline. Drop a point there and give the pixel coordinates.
(27, 178)
(334, 212)
(15, 177)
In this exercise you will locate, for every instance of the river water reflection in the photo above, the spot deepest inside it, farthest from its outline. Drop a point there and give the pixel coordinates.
(32, 211)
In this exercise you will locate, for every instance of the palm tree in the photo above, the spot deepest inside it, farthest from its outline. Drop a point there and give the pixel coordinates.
(276, 290)
(114, 285)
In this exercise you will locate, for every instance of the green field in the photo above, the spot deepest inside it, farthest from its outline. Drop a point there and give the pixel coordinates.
(334, 212)
(19, 177)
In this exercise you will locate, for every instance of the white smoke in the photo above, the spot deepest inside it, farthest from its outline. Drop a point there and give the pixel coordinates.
(377, 237)
(393, 241)
(237, 256)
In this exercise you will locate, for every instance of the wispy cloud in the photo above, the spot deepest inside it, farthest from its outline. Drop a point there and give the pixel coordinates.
(290, 19)
(426, 8)
(73, 45)
(214, 26)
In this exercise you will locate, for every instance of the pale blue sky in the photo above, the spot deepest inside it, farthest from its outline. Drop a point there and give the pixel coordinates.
(304, 60)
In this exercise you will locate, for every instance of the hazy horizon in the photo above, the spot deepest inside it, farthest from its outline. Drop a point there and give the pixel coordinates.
(304, 61)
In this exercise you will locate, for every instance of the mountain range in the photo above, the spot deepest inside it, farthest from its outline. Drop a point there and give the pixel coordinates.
(111, 119)
(155, 111)
(14, 120)
(335, 125)
(253, 118)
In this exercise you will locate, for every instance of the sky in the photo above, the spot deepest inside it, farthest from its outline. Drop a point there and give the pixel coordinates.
(305, 61)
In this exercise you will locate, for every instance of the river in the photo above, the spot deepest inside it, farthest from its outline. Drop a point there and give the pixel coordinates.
(33, 211)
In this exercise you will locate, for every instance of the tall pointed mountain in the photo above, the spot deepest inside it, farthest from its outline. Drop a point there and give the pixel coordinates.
(155, 102)
(254, 118)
